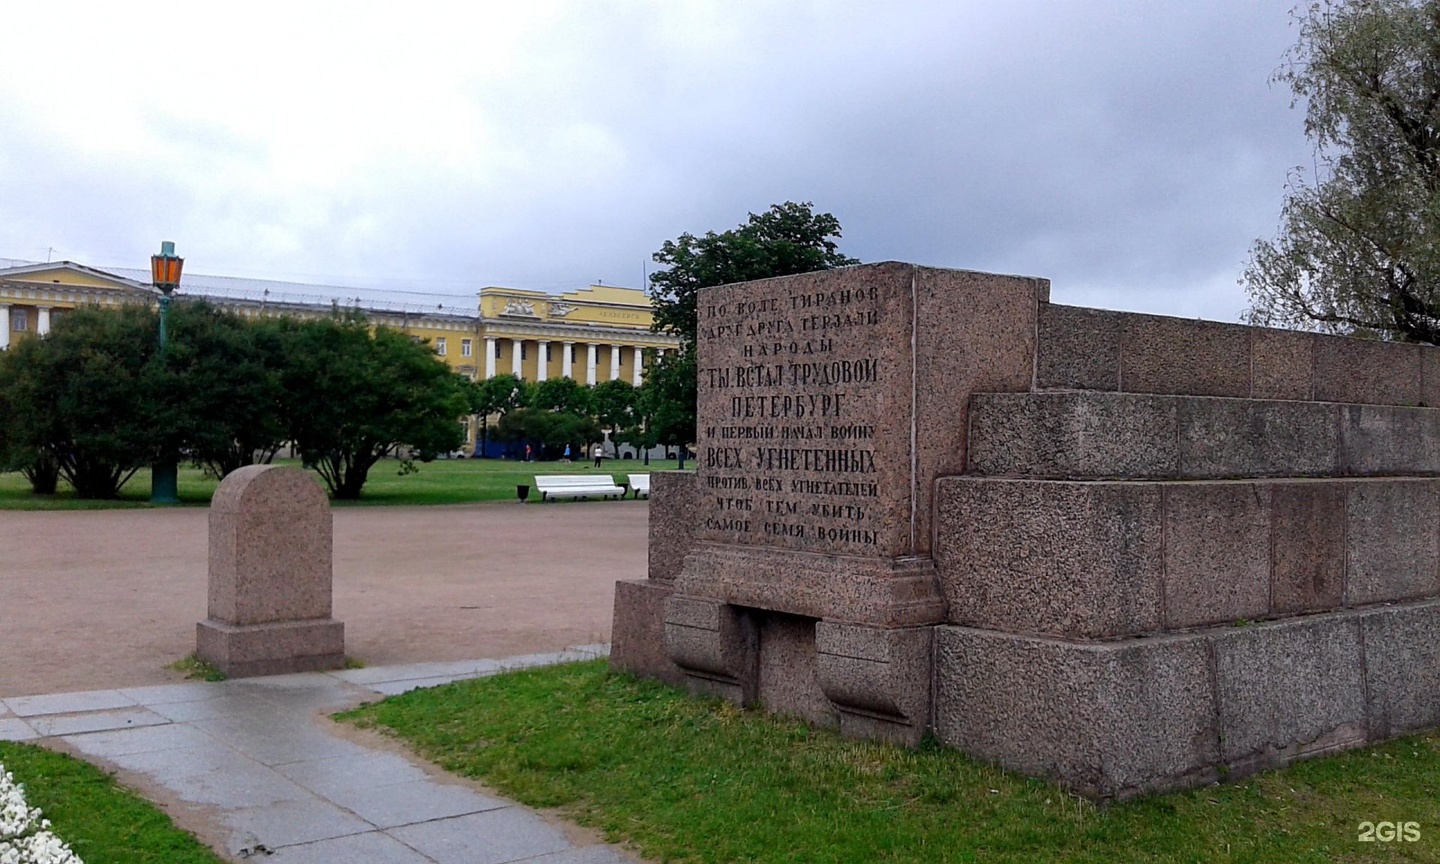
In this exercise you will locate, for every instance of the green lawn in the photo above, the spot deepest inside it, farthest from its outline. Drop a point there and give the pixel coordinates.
(697, 781)
(104, 823)
(444, 481)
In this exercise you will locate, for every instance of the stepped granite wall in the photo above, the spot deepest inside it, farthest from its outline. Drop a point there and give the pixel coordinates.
(1126, 552)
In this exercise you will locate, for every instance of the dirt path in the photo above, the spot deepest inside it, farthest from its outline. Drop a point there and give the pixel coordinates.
(100, 599)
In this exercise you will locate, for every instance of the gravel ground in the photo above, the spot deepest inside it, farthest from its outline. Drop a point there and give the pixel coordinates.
(99, 599)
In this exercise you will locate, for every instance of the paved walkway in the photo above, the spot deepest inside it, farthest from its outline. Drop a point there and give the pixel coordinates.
(254, 767)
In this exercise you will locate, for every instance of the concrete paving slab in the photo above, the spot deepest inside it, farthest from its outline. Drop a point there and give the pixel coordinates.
(377, 674)
(145, 739)
(4, 709)
(226, 705)
(409, 803)
(15, 729)
(370, 848)
(288, 823)
(277, 739)
(329, 776)
(188, 762)
(165, 694)
(68, 703)
(395, 688)
(233, 789)
(95, 721)
(493, 837)
(588, 855)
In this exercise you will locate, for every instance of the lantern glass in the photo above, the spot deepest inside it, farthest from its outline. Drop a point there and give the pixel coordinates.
(165, 271)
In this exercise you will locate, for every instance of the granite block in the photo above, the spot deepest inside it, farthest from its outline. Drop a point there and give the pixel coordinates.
(1217, 553)
(716, 647)
(1282, 364)
(1183, 357)
(1366, 371)
(1221, 438)
(878, 678)
(975, 333)
(1402, 668)
(1071, 559)
(1389, 440)
(1289, 689)
(1307, 568)
(1103, 719)
(1392, 551)
(1429, 376)
(787, 682)
(1079, 435)
(276, 648)
(638, 628)
(885, 592)
(1077, 348)
(674, 507)
(270, 547)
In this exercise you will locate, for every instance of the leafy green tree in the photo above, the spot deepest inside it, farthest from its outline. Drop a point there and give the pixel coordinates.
(561, 394)
(357, 394)
(613, 404)
(787, 239)
(80, 399)
(220, 387)
(547, 431)
(498, 395)
(1358, 250)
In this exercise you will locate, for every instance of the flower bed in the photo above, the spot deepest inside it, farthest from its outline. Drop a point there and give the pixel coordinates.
(25, 835)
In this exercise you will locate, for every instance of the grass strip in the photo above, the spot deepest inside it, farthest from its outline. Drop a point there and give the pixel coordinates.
(103, 822)
(444, 481)
(690, 780)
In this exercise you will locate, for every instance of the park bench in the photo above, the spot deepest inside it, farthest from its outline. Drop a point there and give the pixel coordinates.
(576, 486)
(640, 483)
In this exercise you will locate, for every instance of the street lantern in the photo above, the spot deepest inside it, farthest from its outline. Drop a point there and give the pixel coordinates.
(165, 276)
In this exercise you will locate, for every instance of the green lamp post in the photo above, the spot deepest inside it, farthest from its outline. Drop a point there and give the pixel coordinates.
(165, 275)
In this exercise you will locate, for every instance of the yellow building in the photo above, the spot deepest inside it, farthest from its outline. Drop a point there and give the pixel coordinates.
(594, 334)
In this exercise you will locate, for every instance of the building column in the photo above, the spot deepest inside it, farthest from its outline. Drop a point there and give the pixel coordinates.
(590, 363)
(42, 326)
(614, 362)
(490, 356)
(567, 360)
(542, 358)
(515, 357)
(635, 377)
(4, 326)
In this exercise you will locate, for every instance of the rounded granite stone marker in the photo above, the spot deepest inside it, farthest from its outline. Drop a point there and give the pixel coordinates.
(271, 556)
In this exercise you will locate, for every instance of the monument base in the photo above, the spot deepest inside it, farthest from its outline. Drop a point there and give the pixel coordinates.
(637, 644)
(277, 648)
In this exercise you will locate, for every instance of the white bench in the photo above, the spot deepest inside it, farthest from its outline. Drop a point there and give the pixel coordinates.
(576, 486)
(641, 484)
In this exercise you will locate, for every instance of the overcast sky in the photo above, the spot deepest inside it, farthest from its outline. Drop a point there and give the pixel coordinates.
(1128, 150)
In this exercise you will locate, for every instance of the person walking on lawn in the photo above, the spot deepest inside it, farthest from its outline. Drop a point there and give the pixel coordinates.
(599, 455)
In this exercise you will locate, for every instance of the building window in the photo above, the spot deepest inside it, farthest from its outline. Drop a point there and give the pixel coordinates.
(522, 350)
(464, 347)
(19, 320)
(440, 345)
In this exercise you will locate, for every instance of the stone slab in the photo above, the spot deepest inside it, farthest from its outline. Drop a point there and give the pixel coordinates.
(1289, 689)
(392, 805)
(1367, 371)
(638, 625)
(675, 499)
(372, 847)
(1392, 539)
(1307, 548)
(1073, 435)
(271, 649)
(1389, 440)
(1073, 559)
(1105, 719)
(286, 823)
(68, 703)
(1159, 354)
(15, 729)
(1282, 364)
(1402, 669)
(1077, 348)
(95, 721)
(786, 677)
(492, 837)
(1217, 553)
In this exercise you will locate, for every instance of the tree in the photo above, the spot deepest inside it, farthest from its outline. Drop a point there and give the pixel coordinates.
(613, 404)
(357, 394)
(498, 395)
(220, 387)
(787, 239)
(1358, 249)
(547, 430)
(561, 394)
(79, 400)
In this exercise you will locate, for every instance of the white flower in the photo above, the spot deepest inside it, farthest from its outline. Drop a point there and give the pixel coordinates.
(25, 835)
